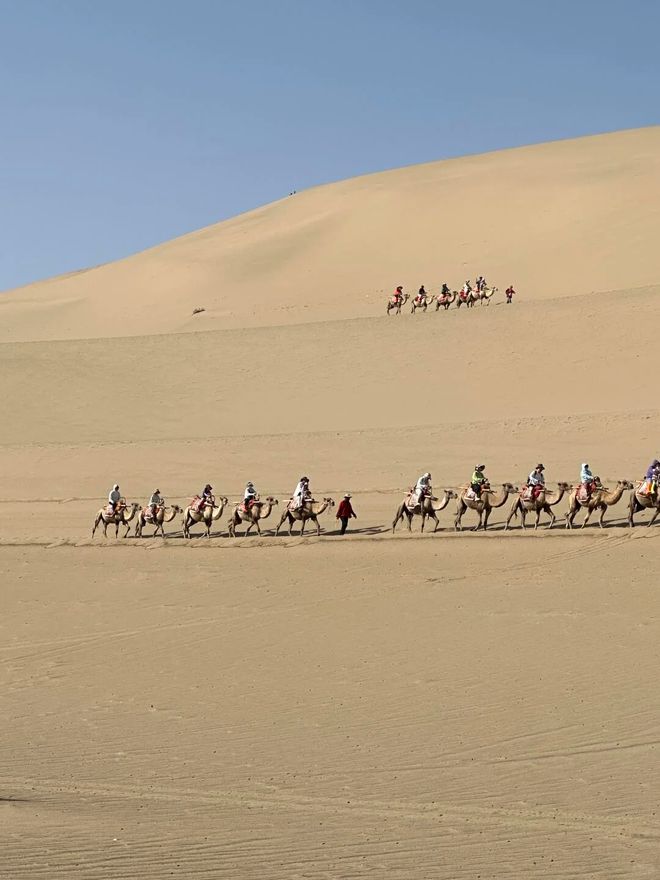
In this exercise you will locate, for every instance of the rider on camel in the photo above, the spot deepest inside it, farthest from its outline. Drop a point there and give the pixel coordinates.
(207, 498)
(445, 290)
(301, 493)
(536, 481)
(155, 502)
(650, 485)
(587, 479)
(398, 295)
(249, 496)
(114, 497)
(478, 480)
(422, 487)
(421, 296)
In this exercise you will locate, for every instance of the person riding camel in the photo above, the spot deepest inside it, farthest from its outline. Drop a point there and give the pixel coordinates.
(466, 290)
(249, 496)
(114, 497)
(421, 296)
(478, 480)
(445, 290)
(587, 479)
(398, 295)
(301, 493)
(422, 488)
(650, 484)
(155, 502)
(207, 498)
(536, 482)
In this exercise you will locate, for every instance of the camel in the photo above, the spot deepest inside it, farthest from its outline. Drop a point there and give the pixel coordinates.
(416, 304)
(394, 305)
(426, 509)
(485, 295)
(540, 504)
(466, 299)
(208, 516)
(600, 499)
(642, 502)
(445, 300)
(258, 510)
(118, 518)
(488, 501)
(146, 518)
(310, 510)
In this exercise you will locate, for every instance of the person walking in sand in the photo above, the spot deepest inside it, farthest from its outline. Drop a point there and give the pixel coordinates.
(509, 294)
(345, 512)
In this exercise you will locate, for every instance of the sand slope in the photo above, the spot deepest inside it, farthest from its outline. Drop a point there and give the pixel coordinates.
(555, 219)
(439, 706)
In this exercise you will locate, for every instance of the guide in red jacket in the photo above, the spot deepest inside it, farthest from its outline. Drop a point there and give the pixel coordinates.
(345, 512)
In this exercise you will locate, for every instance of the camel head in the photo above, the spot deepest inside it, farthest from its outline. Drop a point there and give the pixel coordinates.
(329, 502)
(564, 486)
(271, 500)
(176, 509)
(626, 484)
(509, 487)
(450, 493)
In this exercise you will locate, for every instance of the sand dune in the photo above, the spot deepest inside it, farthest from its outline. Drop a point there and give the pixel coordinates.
(556, 219)
(438, 706)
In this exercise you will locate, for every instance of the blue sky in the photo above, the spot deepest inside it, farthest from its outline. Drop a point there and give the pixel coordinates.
(127, 123)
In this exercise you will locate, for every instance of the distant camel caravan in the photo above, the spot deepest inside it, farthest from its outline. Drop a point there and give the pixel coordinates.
(444, 300)
(532, 498)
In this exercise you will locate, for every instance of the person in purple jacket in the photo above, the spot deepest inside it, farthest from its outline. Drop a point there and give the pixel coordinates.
(651, 478)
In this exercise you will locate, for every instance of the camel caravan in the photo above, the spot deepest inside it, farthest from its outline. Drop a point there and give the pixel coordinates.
(534, 498)
(469, 295)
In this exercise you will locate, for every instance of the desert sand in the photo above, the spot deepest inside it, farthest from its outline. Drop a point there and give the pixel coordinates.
(410, 706)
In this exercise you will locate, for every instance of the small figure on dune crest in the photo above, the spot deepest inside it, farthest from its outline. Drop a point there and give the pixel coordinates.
(345, 512)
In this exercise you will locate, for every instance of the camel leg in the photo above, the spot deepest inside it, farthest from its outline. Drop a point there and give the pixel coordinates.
(437, 521)
(552, 516)
(318, 525)
(512, 513)
(654, 517)
(587, 517)
(303, 522)
(291, 525)
(486, 517)
(602, 515)
(460, 510)
(96, 523)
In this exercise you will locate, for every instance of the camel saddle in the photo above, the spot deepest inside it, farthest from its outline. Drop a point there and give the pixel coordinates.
(109, 510)
(146, 513)
(583, 494)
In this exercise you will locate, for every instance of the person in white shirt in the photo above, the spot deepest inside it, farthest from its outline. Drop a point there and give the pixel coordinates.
(301, 492)
(422, 487)
(155, 502)
(536, 480)
(249, 496)
(114, 497)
